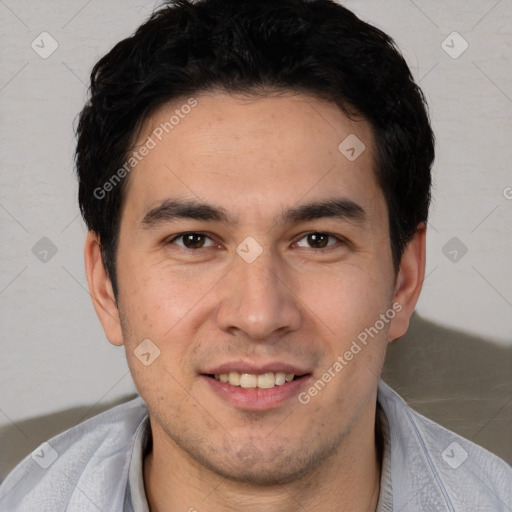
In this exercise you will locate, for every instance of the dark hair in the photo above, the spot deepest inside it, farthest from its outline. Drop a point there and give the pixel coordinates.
(316, 47)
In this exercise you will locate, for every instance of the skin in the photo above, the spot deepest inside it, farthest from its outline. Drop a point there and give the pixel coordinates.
(304, 304)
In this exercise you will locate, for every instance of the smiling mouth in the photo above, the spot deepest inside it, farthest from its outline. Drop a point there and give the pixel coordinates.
(266, 380)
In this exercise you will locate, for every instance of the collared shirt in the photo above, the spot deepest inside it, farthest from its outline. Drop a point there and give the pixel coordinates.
(98, 465)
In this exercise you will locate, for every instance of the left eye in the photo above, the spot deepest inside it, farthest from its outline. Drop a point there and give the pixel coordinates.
(317, 240)
(193, 241)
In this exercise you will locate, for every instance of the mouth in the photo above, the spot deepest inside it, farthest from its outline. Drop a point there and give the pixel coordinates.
(247, 387)
(267, 380)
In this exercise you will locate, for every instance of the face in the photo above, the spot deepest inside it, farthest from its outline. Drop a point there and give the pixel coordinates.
(250, 244)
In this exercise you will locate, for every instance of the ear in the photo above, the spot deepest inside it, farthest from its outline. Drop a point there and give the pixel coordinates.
(100, 288)
(408, 282)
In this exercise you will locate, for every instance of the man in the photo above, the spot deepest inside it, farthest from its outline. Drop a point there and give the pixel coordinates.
(256, 179)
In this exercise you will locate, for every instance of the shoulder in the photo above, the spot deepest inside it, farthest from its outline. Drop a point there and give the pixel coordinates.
(434, 467)
(84, 468)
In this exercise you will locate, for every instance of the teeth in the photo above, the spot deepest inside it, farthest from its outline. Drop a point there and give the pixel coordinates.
(249, 380)
(280, 379)
(266, 381)
(234, 378)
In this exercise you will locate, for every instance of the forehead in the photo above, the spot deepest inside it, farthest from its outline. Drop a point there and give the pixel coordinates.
(253, 155)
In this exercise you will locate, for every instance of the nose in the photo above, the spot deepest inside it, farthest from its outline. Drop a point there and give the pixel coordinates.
(257, 300)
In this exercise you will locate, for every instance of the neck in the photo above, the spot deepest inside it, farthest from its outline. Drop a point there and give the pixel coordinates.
(350, 476)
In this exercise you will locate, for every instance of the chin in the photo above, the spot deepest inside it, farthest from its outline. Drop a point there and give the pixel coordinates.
(250, 466)
(264, 475)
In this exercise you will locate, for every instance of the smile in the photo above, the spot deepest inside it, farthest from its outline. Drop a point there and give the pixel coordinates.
(250, 380)
(256, 391)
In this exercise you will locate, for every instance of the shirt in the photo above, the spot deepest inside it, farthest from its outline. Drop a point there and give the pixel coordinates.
(98, 465)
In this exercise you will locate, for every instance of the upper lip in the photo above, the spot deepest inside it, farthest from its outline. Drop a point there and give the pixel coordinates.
(241, 366)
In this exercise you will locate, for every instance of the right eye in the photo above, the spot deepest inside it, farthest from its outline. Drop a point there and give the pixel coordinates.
(192, 240)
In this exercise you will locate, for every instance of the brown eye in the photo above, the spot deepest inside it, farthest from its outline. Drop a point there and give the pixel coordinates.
(317, 240)
(193, 241)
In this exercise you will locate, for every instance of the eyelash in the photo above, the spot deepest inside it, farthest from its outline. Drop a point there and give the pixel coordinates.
(337, 238)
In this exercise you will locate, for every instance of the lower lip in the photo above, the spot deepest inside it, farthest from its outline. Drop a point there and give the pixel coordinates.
(256, 399)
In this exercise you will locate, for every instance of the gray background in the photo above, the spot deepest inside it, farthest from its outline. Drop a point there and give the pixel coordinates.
(455, 364)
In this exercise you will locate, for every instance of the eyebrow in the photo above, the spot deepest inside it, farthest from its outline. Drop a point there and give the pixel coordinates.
(341, 209)
(174, 209)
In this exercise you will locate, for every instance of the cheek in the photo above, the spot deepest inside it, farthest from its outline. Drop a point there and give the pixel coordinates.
(349, 305)
(166, 306)
(156, 298)
(346, 301)
(155, 305)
